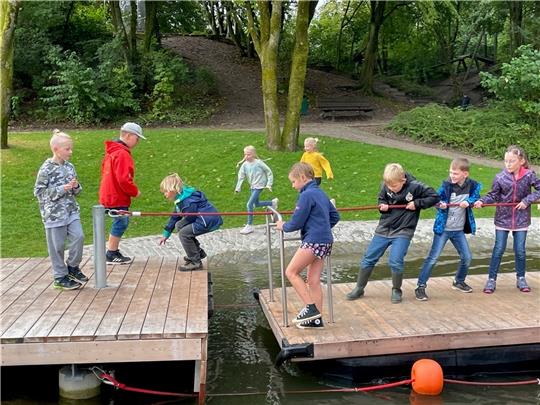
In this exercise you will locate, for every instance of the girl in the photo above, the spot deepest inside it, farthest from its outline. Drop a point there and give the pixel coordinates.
(512, 185)
(314, 216)
(316, 160)
(259, 177)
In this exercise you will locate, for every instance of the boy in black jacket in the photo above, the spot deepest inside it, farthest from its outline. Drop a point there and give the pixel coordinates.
(396, 226)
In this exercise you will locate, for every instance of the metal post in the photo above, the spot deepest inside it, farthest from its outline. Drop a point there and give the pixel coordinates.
(329, 288)
(98, 215)
(269, 253)
(283, 286)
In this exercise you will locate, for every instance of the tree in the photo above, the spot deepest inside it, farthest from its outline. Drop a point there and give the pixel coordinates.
(9, 10)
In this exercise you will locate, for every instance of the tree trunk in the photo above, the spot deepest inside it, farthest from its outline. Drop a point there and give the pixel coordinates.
(370, 59)
(516, 25)
(149, 28)
(120, 28)
(9, 10)
(133, 31)
(289, 138)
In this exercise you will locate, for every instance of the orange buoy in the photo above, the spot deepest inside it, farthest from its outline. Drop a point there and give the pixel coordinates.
(427, 376)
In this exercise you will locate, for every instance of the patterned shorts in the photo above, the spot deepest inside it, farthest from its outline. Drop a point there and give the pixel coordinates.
(321, 250)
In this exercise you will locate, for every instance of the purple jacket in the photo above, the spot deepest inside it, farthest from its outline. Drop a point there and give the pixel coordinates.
(506, 188)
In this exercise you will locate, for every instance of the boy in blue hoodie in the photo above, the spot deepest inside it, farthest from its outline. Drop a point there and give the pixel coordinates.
(188, 200)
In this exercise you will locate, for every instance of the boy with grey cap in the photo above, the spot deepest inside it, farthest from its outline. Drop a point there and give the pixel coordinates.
(117, 185)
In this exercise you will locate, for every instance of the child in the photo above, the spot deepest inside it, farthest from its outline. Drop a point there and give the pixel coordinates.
(56, 188)
(188, 199)
(316, 160)
(512, 185)
(314, 216)
(117, 186)
(452, 223)
(396, 226)
(259, 177)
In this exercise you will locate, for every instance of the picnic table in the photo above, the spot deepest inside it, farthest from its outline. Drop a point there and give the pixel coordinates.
(343, 107)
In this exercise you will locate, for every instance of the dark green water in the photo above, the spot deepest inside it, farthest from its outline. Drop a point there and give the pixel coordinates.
(242, 350)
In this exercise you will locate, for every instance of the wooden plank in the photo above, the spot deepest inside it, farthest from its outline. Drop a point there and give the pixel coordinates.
(11, 295)
(197, 317)
(154, 323)
(8, 266)
(101, 352)
(138, 307)
(111, 322)
(31, 266)
(47, 321)
(176, 322)
(91, 318)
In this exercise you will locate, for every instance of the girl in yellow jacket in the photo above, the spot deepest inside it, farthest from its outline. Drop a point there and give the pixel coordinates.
(315, 159)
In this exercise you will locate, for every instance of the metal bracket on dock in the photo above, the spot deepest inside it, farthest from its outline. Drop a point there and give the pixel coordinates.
(289, 351)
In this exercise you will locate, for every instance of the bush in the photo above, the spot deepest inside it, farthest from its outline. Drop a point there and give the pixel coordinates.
(483, 131)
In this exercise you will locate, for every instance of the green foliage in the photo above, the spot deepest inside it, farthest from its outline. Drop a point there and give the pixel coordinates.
(485, 131)
(519, 83)
(205, 159)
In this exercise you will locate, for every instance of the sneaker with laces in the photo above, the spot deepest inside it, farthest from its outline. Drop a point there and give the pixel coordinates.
(275, 202)
(74, 273)
(247, 229)
(115, 257)
(308, 313)
(521, 283)
(461, 286)
(65, 283)
(420, 293)
(313, 324)
(490, 286)
(202, 254)
(191, 266)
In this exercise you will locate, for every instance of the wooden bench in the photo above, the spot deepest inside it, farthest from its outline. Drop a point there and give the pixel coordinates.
(343, 107)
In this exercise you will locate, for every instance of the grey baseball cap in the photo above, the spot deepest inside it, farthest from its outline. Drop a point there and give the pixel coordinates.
(133, 128)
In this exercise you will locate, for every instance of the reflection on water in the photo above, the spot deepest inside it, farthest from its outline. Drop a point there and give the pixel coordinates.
(242, 350)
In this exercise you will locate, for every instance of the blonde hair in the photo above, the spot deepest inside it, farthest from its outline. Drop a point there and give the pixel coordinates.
(519, 152)
(58, 137)
(312, 141)
(393, 172)
(301, 169)
(249, 148)
(461, 164)
(172, 182)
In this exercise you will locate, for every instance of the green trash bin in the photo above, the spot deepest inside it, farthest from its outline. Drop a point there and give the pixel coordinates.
(305, 106)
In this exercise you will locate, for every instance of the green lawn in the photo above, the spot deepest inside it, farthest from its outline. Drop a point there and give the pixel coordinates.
(205, 159)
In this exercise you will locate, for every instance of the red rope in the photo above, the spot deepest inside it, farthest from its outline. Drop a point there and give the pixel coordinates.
(504, 384)
(235, 213)
(124, 387)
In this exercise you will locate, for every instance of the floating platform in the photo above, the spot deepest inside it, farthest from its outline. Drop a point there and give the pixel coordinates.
(450, 320)
(148, 312)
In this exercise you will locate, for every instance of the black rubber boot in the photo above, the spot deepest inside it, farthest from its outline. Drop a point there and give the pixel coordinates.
(397, 279)
(358, 291)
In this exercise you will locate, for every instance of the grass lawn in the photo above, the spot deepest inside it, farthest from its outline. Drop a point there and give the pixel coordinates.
(205, 159)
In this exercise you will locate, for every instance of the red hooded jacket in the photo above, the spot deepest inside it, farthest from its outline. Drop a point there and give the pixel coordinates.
(117, 172)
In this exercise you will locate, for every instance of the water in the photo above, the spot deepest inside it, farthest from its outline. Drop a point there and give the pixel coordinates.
(242, 350)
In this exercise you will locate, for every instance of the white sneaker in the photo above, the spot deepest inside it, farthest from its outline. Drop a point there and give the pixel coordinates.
(275, 203)
(247, 229)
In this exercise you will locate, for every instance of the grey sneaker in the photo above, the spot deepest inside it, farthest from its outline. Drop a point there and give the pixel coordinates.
(522, 285)
(191, 266)
(308, 313)
(115, 257)
(76, 274)
(275, 202)
(490, 286)
(396, 295)
(65, 283)
(420, 293)
(313, 324)
(461, 286)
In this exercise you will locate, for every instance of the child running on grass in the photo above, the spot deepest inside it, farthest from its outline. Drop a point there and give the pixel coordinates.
(259, 176)
(188, 200)
(452, 223)
(56, 187)
(316, 160)
(314, 216)
(512, 185)
(396, 226)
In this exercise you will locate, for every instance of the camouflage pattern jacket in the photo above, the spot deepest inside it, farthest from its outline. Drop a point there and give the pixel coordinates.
(58, 207)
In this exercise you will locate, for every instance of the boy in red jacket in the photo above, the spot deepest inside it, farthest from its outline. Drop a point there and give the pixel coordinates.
(117, 186)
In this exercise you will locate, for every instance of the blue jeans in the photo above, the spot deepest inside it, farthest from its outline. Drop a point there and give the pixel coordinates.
(377, 247)
(254, 202)
(459, 241)
(119, 224)
(501, 237)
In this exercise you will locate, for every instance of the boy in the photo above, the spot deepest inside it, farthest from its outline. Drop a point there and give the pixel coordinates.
(396, 226)
(187, 199)
(56, 187)
(452, 223)
(117, 187)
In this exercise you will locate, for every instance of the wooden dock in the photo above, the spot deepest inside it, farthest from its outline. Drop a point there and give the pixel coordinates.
(450, 319)
(149, 311)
